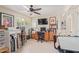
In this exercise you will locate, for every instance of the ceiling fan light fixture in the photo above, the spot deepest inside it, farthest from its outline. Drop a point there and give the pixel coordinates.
(31, 6)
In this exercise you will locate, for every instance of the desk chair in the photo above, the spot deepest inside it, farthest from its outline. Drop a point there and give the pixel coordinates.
(41, 36)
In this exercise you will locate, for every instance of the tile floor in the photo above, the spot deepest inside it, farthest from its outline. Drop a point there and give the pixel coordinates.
(33, 46)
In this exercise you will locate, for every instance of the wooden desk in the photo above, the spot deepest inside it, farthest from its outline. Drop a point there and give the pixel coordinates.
(4, 50)
(51, 36)
(35, 36)
(48, 36)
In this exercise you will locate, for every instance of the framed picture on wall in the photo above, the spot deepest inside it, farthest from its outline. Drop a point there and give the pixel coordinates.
(52, 24)
(7, 20)
(52, 20)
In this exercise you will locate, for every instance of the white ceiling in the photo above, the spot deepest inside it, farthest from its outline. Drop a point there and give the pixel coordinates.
(47, 10)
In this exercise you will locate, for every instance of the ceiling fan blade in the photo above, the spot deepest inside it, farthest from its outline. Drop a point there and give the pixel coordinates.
(37, 9)
(26, 7)
(31, 8)
(37, 13)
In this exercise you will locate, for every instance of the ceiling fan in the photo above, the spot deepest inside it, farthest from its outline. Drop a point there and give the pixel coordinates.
(33, 10)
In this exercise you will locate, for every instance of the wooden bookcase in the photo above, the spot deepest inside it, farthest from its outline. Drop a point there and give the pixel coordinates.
(52, 24)
(52, 27)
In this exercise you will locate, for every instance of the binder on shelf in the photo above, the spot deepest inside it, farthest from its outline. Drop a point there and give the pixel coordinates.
(4, 46)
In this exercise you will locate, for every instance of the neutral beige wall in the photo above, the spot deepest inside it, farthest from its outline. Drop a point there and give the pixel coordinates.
(72, 21)
(16, 15)
(38, 26)
(48, 17)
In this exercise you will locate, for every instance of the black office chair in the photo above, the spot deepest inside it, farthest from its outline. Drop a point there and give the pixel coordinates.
(41, 36)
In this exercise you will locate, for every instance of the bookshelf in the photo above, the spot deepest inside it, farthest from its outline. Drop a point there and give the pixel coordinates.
(52, 24)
